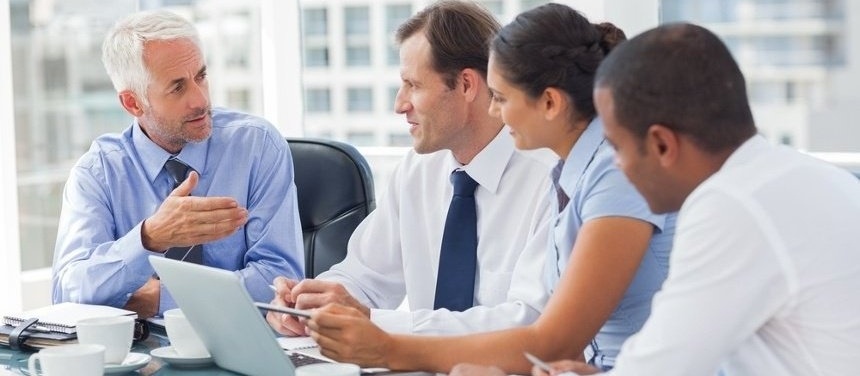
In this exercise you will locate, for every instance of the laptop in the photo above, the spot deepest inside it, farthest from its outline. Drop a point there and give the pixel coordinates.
(222, 312)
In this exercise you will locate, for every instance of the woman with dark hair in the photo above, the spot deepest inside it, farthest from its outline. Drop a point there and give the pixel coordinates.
(607, 254)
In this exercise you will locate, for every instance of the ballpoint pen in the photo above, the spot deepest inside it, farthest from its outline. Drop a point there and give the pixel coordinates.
(545, 366)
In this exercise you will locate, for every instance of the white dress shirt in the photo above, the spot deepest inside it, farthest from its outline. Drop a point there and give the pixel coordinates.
(764, 278)
(394, 252)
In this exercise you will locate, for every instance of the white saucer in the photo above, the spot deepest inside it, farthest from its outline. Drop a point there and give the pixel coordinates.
(169, 356)
(132, 362)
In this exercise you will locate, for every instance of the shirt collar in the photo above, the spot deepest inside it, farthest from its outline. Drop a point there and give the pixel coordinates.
(153, 156)
(489, 165)
(581, 155)
(747, 151)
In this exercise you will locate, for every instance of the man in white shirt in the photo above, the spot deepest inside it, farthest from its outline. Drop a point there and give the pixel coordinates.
(395, 252)
(765, 270)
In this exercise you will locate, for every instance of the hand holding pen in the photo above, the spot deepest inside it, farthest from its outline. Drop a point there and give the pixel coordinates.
(560, 368)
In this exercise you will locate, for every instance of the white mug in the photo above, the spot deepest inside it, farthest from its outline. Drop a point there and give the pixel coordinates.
(68, 360)
(182, 336)
(328, 369)
(114, 333)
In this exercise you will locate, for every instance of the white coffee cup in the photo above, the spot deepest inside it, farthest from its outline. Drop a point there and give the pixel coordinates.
(182, 336)
(114, 333)
(69, 360)
(328, 369)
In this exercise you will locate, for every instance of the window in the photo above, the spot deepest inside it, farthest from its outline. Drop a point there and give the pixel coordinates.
(395, 15)
(317, 100)
(358, 56)
(314, 35)
(316, 57)
(529, 4)
(315, 22)
(392, 96)
(399, 139)
(356, 21)
(357, 36)
(361, 138)
(495, 7)
(239, 99)
(359, 99)
(393, 55)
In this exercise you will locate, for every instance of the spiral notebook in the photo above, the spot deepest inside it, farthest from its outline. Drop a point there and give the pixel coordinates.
(64, 317)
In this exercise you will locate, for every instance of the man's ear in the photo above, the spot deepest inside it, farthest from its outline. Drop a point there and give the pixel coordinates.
(472, 83)
(130, 103)
(664, 143)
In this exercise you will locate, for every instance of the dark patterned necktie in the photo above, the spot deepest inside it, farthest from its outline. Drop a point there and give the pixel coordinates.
(559, 192)
(455, 283)
(178, 171)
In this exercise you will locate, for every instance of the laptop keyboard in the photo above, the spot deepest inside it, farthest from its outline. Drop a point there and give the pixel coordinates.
(303, 360)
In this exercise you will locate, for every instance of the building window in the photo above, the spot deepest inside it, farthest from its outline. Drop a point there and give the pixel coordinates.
(315, 32)
(358, 56)
(239, 99)
(316, 56)
(399, 139)
(495, 7)
(393, 55)
(318, 100)
(361, 138)
(359, 99)
(396, 14)
(356, 21)
(392, 96)
(530, 4)
(315, 22)
(357, 36)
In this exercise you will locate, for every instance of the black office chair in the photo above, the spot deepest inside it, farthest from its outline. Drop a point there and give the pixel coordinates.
(335, 190)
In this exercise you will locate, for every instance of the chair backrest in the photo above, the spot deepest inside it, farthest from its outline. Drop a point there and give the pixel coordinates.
(335, 193)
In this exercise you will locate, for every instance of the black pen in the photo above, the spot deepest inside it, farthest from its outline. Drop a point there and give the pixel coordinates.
(287, 310)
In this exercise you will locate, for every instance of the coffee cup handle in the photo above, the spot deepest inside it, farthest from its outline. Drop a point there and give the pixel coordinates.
(31, 364)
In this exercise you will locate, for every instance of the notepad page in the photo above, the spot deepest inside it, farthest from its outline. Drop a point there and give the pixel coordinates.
(64, 317)
(297, 343)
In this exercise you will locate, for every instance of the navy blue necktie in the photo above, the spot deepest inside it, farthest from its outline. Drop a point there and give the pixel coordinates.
(178, 171)
(455, 283)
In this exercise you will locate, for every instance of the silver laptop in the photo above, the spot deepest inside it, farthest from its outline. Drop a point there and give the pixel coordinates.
(223, 314)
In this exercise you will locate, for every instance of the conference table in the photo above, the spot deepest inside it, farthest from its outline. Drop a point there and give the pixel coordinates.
(15, 362)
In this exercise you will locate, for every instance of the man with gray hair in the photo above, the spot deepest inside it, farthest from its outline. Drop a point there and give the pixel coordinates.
(186, 181)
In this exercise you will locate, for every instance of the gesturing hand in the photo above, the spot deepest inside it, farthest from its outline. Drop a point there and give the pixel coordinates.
(183, 220)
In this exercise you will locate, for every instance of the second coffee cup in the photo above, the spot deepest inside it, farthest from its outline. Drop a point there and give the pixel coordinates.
(114, 333)
(182, 336)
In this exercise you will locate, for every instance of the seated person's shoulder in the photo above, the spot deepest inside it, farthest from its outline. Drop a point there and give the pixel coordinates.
(239, 121)
(232, 126)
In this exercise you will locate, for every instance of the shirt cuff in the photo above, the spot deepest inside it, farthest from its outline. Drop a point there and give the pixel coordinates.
(396, 322)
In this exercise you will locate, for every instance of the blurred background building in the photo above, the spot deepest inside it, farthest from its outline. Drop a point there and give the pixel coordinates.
(800, 58)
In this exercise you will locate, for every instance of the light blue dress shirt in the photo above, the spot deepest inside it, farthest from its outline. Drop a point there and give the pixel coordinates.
(120, 181)
(597, 188)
